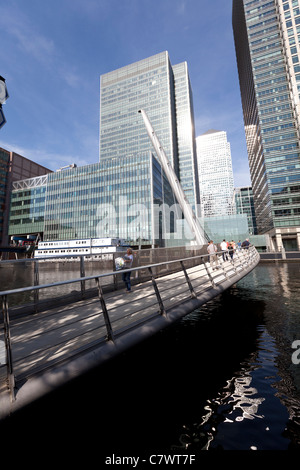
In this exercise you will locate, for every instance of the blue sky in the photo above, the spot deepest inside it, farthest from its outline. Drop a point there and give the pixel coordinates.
(53, 53)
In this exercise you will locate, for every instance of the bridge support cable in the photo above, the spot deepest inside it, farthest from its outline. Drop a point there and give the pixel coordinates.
(189, 215)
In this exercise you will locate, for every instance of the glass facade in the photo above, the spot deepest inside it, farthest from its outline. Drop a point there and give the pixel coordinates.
(233, 227)
(4, 166)
(112, 198)
(27, 207)
(187, 161)
(267, 42)
(165, 94)
(14, 167)
(215, 174)
(244, 204)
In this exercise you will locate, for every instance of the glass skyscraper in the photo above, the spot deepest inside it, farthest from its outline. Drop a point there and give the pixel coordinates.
(4, 168)
(113, 198)
(126, 194)
(215, 174)
(103, 199)
(164, 92)
(267, 43)
(244, 204)
(13, 167)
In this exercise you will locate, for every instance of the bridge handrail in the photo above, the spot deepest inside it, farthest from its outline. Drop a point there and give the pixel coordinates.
(251, 254)
(111, 273)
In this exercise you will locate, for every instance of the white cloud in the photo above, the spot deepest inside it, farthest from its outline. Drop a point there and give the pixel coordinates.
(51, 160)
(36, 45)
(181, 8)
(16, 24)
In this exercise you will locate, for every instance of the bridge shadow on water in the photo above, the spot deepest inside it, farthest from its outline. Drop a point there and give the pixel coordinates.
(147, 400)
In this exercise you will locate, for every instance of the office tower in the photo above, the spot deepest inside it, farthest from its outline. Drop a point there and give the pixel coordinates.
(186, 141)
(164, 92)
(266, 35)
(215, 174)
(97, 200)
(4, 168)
(244, 204)
(13, 167)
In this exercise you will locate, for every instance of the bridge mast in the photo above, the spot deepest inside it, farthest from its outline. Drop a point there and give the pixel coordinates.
(174, 183)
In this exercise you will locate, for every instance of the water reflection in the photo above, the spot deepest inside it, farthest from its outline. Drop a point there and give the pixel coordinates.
(247, 412)
(236, 402)
(243, 399)
(258, 407)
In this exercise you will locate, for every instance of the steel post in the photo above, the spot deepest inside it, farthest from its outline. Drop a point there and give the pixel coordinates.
(110, 335)
(193, 295)
(159, 299)
(82, 274)
(7, 340)
(36, 283)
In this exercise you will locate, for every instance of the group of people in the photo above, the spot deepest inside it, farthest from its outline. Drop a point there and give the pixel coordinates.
(227, 248)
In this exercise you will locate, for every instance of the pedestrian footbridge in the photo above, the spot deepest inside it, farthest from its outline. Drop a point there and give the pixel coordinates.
(47, 346)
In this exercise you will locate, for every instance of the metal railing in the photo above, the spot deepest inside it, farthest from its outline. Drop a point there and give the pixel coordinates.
(42, 271)
(194, 276)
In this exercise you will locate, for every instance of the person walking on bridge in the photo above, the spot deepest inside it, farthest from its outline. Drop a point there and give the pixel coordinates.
(223, 246)
(213, 257)
(128, 259)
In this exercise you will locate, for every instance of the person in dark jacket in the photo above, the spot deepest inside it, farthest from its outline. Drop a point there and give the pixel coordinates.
(246, 244)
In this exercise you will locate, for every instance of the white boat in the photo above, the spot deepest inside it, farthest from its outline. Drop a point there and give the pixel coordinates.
(92, 247)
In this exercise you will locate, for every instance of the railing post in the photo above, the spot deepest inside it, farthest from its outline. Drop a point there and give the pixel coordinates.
(115, 275)
(188, 280)
(233, 266)
(225, 273)
(110, 335)
(9, 362)
(82, 274)
(208, 273)
(160, 302)
(36, 283)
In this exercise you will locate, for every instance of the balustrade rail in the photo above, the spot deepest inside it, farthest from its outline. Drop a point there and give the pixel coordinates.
(116, 314)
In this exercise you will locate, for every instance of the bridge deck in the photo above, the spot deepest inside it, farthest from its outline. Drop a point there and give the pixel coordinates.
(50, 336)
(43, 341)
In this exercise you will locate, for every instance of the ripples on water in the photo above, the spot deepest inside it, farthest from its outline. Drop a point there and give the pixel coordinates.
(258, 406)
(221, 378)
(246, 413)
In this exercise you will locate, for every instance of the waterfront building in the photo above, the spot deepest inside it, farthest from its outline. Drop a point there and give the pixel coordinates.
(116, 197)
(244, 204)
(13, 167)
(228, 227)
(69, 204)
(215, 174)
(27, 211)
(267, 43)
(4, 166)
(165, 93)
